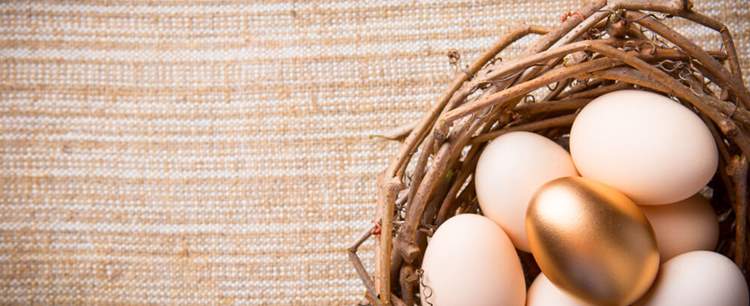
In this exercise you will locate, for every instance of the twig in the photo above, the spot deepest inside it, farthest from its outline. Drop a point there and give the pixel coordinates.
(569, 105)
(738, 169)
(566, 120)
(354, 259)
(398, 133)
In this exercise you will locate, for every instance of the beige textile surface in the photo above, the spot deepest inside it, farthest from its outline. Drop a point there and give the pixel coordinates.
(217, 152)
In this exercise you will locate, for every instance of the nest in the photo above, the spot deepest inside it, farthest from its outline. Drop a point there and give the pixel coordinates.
(601, 48)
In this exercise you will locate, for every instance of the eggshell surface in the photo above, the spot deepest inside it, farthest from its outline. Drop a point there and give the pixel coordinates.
(511, 168)
(644, 144)
(543, 293)
(688, 225)
(471, 261)
(698, 278)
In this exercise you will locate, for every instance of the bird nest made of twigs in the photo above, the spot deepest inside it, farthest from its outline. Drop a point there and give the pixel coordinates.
(603, 47)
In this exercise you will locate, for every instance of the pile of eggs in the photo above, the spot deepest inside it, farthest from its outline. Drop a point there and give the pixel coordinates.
(619, 220)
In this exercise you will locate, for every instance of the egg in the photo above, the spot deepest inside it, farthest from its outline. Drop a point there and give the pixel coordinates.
(698, 278)
(592, 241)
(644, 144)
(471, 261)
(510, 169)
(688, 225)
(543, 293)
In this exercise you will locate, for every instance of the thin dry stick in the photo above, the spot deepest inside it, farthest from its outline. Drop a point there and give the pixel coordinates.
(579, 87)
(566, 105)
(561, 121)
(598, 91)
(408, 279)
(738, 169)
(447, 206)
(386, 200)
(398, 133)
(661, 54)
(724, 156)
(559, 87)
(352, 252)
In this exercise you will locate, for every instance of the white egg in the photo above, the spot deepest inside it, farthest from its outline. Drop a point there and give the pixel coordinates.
(510, 170)
(544, 293)
(688, 225)
(698, 278)
(471, 261)
(646, 145)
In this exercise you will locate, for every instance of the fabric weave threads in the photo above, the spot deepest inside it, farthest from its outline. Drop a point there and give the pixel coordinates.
(217, 152)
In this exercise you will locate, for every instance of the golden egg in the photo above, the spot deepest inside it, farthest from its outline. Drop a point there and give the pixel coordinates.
(592, 241)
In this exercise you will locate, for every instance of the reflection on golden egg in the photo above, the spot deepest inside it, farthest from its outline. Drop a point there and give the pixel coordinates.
(592, 241)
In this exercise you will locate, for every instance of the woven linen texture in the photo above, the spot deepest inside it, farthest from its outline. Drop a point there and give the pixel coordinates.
(217, 152)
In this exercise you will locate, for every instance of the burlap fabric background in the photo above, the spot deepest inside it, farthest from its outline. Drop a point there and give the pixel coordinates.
(218, 152)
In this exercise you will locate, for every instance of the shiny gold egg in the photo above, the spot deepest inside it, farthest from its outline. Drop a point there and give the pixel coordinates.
(592, 241)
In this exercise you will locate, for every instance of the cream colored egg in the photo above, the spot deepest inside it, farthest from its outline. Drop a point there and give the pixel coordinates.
(471, 261)
(688, 225)
(510, 170)
(544, 293)
(646, 145)
(698, 278)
